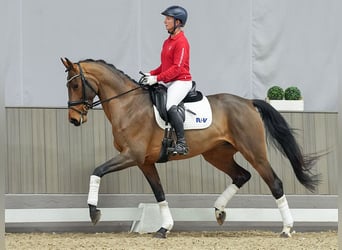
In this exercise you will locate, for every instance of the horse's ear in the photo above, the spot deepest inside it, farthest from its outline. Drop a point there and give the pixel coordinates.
(68, 64)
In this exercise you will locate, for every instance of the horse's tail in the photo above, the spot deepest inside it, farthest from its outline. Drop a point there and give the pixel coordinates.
(282, 137)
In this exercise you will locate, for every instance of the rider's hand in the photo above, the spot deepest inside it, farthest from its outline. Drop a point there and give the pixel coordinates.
(150, 80)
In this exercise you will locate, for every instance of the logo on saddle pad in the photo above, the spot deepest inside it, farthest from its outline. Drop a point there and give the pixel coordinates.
(198, 115)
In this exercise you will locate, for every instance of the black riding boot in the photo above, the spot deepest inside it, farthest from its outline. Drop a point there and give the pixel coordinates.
(177, 123)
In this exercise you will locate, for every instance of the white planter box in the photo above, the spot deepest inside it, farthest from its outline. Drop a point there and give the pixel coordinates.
(287, 105)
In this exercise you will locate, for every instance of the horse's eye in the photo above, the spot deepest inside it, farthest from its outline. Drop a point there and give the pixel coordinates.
(74, 86)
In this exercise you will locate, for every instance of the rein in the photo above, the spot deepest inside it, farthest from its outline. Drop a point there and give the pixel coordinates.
(111, 98)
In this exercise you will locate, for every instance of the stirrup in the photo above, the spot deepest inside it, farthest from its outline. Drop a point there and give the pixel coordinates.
(180, 149)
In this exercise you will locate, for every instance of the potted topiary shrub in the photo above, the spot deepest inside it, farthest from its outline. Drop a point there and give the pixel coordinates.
(275, 93)
(292, 93)
(291, 98)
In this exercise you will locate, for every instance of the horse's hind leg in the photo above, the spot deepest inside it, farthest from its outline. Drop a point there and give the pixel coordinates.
(276, 187)
(221, 157)
(259, 161)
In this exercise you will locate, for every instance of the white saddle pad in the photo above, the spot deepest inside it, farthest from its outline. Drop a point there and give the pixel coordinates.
(200, 120)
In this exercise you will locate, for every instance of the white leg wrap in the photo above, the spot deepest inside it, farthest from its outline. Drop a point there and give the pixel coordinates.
(167, 221)
(223, 199)
(94, 186)
(285, 212)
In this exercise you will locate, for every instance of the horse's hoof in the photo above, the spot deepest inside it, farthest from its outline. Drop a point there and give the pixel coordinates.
(220, 216)
(95, 214)
(287, 232)
(161, 233)
(285, 235)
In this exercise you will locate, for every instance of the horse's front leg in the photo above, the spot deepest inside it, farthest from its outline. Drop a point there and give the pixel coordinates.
(117, 163)
(153, 179)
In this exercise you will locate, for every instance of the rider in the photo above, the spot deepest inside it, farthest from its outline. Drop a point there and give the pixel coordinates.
(174, 71)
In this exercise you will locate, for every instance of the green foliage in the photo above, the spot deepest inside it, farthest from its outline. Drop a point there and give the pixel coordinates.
(292, 93)
(275, 93)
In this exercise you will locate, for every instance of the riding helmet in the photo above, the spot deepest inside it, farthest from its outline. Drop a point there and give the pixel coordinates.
(179, 13)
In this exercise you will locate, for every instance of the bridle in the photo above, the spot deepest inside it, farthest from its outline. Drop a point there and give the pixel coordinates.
(84, 100)
(87, 104)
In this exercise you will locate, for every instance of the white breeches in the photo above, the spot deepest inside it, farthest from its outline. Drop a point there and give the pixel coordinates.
(176, 91)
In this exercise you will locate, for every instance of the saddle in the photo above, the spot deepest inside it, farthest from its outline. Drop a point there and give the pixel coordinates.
(158, 94)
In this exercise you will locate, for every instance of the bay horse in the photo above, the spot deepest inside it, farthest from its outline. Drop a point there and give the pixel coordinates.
(238, 125)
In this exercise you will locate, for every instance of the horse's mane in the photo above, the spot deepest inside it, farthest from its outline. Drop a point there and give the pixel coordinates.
(110, 66)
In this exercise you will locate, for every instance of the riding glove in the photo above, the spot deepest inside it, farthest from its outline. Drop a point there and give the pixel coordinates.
(150, 80)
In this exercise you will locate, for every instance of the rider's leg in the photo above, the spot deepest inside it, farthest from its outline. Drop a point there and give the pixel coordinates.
(175, 94)
(177, 123)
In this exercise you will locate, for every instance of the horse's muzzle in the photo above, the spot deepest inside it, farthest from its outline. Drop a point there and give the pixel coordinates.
(77, 117)
(75, 122)
(79, 120)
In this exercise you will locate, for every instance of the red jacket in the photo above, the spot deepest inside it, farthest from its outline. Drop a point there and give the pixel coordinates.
(174, 60)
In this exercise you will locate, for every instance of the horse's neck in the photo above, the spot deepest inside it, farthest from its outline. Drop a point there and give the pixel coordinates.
(110, 88)
(120, 108)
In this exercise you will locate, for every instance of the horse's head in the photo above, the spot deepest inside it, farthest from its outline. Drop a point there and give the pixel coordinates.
(81, 91)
